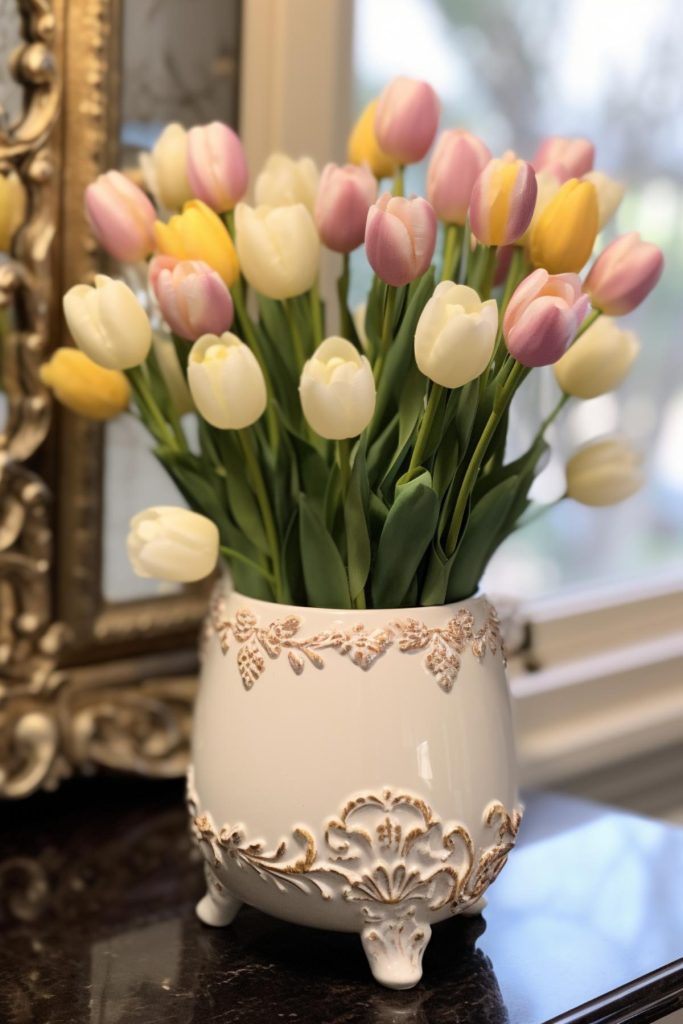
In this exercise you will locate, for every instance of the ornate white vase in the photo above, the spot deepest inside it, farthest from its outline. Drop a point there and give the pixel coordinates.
(353, 770)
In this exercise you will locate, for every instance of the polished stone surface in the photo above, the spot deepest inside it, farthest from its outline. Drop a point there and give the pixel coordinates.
(98, 884)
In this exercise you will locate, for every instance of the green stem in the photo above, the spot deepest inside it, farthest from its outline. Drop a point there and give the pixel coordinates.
(238, 556)
(316, 314)
(387, 330)
(516, 273)
(451, 251)
(488, 272)
(252, 339)
(347, 328)
(426, 426)
(487, 433)
(399, 185)
(344, 462)
(258, 483)
(588, 322)
(551, 417)
(297, 341)
(149, 409)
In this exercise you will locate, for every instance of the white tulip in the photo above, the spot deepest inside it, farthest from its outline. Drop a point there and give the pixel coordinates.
(169, 543)
(164, 168)
(598, 361)
(171, 371)
(337, 390)
(108, 323)
(226, 381)
(610, 193)
(604, 473)
(455, 335)
(284, 182)
(278, 248)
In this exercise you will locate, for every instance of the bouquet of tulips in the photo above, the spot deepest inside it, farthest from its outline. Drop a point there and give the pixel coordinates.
(367, 467)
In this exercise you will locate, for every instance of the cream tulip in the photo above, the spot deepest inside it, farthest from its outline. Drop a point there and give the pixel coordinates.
(108, 323)
(165, 168)
(455, 335)
(604, 473)
(598, 360)
(337, 390)
(278, 248)
(284, 182)
(610, 193)
(169, 543)
(226, 381)
(171, 371)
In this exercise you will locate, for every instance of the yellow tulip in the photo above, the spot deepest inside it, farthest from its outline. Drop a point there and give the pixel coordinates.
(199, 234)
(12, 208)
(84, 387)
(363, 147)
(563, 237)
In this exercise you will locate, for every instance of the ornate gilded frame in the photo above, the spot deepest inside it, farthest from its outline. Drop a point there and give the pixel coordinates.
(83, 685)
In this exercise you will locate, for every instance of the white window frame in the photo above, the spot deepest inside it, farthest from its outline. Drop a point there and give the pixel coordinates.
(599, 681)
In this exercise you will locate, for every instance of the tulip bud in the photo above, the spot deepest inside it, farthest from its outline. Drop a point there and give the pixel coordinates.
(458, 160)
(168, 543)
(172, 373)
(610, 193)
(363, 147)
(286, 182)
(279, 248)
(83, 386)
(193, 298)
(543, 317)
(199, 234)
(400, 235)
(604, 473)
(575, 155)
(406, 119)
(12, 208)
(598, 361)
(337, 390)
(216, 165)
(564, 234)
(547, 187)
(624, 274)
(108, 323)
(121, 217)
(503, 200)
(165, 168)
(226, 382)
(341, 208)
(455, 335)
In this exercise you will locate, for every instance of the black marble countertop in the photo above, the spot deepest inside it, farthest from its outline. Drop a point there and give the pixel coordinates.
(97, 892)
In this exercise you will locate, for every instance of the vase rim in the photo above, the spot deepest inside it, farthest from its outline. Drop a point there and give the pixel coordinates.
(413, 612)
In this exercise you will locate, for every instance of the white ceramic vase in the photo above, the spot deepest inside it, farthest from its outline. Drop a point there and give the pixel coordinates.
(353, 770)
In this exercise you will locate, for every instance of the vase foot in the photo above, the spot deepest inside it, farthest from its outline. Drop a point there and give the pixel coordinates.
(394, 945)
(218, 907)
(478, 907)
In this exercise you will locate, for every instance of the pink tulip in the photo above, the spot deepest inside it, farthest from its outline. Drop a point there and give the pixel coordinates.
(121, 217)
(345, 195)
(576, 156)
(400, 236)
(543, 316)
(458, 160)
(503, 200)
(193, 298)
(624, 274)
(406, 119)
(216, 165)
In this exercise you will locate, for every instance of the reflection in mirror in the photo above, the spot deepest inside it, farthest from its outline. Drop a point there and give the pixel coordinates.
(11, 92)
(179, 62)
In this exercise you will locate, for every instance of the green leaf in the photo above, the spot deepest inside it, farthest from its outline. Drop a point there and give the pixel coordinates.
(359, 554)
(435, 582)
(324, 572)
(373, 313)
(407, 533)
(480, 539)
(241, 499)
(400, 355)
(382, 451)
